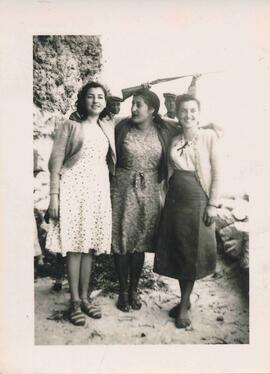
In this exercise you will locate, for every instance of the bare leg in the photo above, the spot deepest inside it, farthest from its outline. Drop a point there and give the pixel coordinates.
(136, 266)
(85, 273)
(87, 306)
(182, 319)
(173, 313)
(73, 270)
(122, 270)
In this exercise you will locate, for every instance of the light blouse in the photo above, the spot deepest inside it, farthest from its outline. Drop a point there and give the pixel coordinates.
(201, 155)
(182, 153)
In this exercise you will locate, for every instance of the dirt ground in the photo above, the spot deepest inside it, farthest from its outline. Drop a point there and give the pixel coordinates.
(219, 313)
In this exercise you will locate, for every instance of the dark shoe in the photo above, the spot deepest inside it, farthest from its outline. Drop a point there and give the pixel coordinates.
(90, 309)
(75, 314)
(182, 320)
(182, 323)
(173, 313)
(134, 301)
(122, 302)
(40, 261)
(57, 287)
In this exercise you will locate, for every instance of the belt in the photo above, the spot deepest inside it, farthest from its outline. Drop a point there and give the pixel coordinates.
(139, 177)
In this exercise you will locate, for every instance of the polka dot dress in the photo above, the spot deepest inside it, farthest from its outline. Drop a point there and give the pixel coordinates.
(85, 207)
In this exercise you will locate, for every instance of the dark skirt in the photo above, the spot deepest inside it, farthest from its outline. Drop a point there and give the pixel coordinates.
(186, 247)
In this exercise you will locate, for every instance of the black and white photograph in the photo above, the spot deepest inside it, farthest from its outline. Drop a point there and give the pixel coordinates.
(135, 172)
(141, 205)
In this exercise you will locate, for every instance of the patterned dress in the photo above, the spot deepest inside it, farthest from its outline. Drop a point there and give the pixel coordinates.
(135, 193)
(85, 207)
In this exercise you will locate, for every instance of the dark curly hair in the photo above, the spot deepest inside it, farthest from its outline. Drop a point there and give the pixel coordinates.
(80, 103)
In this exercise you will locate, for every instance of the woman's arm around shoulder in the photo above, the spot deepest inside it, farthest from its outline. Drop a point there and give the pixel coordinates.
(172, 131)
(121, 125)
(216, 128)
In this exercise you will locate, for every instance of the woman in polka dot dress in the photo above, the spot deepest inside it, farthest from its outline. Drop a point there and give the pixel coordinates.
(80, 206)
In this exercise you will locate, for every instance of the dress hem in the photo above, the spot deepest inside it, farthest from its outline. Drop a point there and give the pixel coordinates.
(90, 251)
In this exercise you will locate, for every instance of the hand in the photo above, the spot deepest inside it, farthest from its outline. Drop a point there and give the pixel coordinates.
(146, 85)
(54, 207)
(209, 215)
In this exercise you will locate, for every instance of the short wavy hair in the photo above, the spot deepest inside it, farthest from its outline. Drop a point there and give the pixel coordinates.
(81, 102)
(184, 98)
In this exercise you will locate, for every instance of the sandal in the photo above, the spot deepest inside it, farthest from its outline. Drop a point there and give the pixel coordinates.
(122, 302)
(75, 314)
(90, 309)
(134, 301)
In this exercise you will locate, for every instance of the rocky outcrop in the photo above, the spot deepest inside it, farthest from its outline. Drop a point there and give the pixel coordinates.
(233, 229)
(61, 65)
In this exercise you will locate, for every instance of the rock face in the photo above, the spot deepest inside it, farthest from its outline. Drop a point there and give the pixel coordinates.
(61, 65)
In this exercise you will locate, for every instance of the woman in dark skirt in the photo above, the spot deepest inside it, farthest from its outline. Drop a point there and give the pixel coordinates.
(186, 246)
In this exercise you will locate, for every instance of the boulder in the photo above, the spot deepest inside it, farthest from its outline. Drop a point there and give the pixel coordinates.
(224, 218)
(233, 229)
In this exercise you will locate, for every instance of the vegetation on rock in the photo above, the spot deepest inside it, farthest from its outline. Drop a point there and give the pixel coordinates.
(61, 65)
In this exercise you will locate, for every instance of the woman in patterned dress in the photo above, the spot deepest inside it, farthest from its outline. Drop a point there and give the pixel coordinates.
(80, 205)
(136, 191)
(186, 245)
